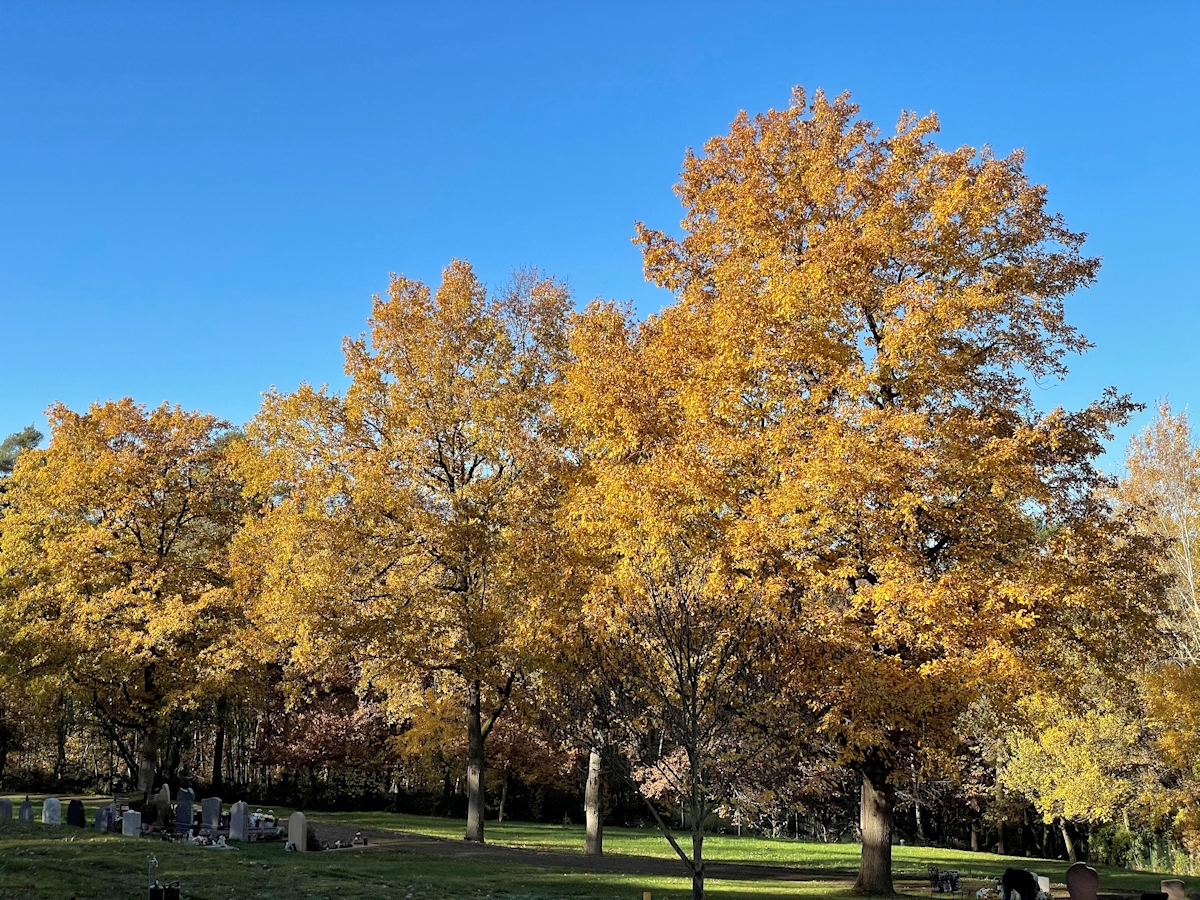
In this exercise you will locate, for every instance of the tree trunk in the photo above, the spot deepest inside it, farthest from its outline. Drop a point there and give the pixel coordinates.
(593, 806)
(975, 837)
(218, 757)
(1066, 836)
(147, 760)
(697, 856)
(475, 787)
(920, 824)
(876, 818)
(1000, 839)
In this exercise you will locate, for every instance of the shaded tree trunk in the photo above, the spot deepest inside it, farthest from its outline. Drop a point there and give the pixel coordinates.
(1000, 849)
(1067, 842)
(593, 806)
(147, 758)
(475, 762)
(975, 837)
(219, 750)
(877, 820)
(697, 856)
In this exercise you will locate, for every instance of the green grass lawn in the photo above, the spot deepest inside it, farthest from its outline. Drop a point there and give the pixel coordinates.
(39, 862)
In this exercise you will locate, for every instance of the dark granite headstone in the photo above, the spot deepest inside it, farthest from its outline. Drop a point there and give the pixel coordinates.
(210, 813)
(75, 814)
(184, 801)
(25, 814)
(1082, 882)
(5, 809)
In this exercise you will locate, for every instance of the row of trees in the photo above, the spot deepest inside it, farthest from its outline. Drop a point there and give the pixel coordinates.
(806, 520)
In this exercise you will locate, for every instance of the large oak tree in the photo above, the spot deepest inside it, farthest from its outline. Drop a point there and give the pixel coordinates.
(409, 529)
(841, 392)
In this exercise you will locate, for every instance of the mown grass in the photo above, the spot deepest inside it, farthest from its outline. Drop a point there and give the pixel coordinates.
(43, 862)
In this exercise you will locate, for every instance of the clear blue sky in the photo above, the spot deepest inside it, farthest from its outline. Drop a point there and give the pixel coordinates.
(198, 200)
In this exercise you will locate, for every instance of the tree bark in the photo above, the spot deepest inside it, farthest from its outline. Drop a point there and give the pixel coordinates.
(697, 856)
(876, 818)
(475, 786)
(147, 760)
(218, 754)
(1066, 836)
(593, 806)
(975, 837)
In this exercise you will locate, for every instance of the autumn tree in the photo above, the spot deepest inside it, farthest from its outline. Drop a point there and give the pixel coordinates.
(115, 545)
(843, 395)
(682, 642)
(409, 527)
(1163, 482)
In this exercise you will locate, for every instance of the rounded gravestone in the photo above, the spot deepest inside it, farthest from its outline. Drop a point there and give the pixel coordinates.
(52, 811)
(1082, 882)
(298, 831)
(5, 809)
(1174, 889)
(25, 814)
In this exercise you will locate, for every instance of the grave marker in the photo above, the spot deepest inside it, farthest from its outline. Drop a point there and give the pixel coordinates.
(210, 813)
(76, 817)
(26, 812)
(298, 831)
(239, 821)
(105, 817)
(131, 823)
(1082, 882)
(52, 811)
(5, 809)
(1174, 889)
(183, 810)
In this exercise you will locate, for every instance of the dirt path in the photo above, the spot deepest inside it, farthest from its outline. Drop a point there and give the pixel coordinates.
(406, 842)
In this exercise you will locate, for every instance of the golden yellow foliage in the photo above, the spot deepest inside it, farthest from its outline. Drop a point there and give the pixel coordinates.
(838, 399)
(116, 540)
(409, 526)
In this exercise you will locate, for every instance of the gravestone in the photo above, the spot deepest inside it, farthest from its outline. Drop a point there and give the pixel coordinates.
(239, 821)
(105, 816)
(1082, 882)
(75, 814)
(5, 809)
(1174, 889)
(131, 823)
(161, 804)
(25, 814)
(1043, 883)
(52, 811)
(210, 813)
(298, 831)
(184, 801)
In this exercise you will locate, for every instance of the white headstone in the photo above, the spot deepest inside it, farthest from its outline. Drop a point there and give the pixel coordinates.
(1043, 883)
(298, 831)
(52, 811)
(239, 821)
(131, 823)
(210, 812)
